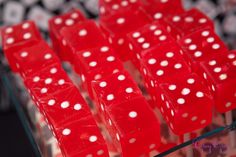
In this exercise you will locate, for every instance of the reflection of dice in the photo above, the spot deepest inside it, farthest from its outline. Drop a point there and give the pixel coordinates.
(13, 12)
(29, 2)
(53, 4)
(220, 73)
(40, 16)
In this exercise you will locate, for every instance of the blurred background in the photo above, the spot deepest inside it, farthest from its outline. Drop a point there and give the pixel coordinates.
(14, 139)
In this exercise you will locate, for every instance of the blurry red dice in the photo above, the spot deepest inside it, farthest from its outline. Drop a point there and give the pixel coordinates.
(17, 37)
(117, 27)
(220, 73)
(55, 26)
(188, 22)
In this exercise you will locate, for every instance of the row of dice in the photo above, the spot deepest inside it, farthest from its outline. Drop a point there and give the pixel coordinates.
(175, 89)
(131, 123)
(153, 49)
(64, 109)
(165, 63)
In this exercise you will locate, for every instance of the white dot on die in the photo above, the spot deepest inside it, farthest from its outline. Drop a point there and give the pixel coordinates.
(188, 41)
(213, 62)
(9, 30)
(152, 61)
(129, 90)
(47, 56)
(24, 54)
(164, 63)
(120, 20)
(192, 47)
(25, 25)
(51, 102)
(36, 79)
(77, 107)
(10, 40)
(117, 136)
(157, 32)
(205, 33)
(58, 21)
(74, 15)
(27, 36)
(191, 81)
(203, 121)
(194, 118)
(215, 46)
(217, 69)
(110, 58)
(153, 27)
(210, 39)
(133, 114)
(104, 49)
(228, 104)
(48, 81)
(43, 90)
(172, 87)
(86, 54)
(69, 22)
(202, 20)
(65, 104)
(121, 77)
(53, 70)
(136, 34)
(100, 152)
(160, 72)
(110, 97)
(185, 115)
(162, 38)
(158, 16)
(198, 54)
(61, 81)
(132, 140)
(146, 45)
(93, 64)
(103, 84)
(178, 66)
(189, 19)
(199, 94)
(66, 132)
(169, 54)
(93, 138)
(185, 91)
(223, 76)
(180, 101)
(83, 32)
(176, 18)
(231, 56)
(141, 40)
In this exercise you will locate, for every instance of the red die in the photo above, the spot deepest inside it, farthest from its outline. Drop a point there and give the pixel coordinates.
(187, 104)
(13, 38)
(117, 26)
(220, 73)
(47, 81)
(81, 138)
(56, 24)
(162, 64)
(83, 35)
(202, 45)
(187, 23)
(120, 101)
(145, 38)
(108, 7)
(96, 63)
(137, 129)
(125, 89)
(159, 9)
(33, 58)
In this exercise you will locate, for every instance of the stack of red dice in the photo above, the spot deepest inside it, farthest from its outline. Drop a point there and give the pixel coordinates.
(186, 69)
